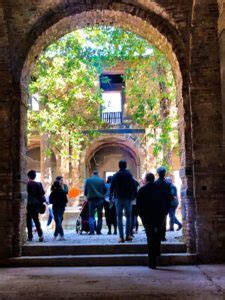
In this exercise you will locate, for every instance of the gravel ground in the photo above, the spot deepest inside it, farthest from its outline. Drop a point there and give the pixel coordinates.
(73, 238)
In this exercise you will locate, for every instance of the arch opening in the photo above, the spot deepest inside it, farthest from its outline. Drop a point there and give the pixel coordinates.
(134, 24)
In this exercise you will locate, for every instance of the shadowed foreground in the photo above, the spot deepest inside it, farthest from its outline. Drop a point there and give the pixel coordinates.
(180, 282)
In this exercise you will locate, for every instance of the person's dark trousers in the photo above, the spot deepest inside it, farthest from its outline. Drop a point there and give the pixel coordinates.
(32, 214)
(134, 222)
(93, 205)
(153, 233)
(124, 204)
(58, 217)
(113, 217)
(163, 231)
(50, 216)
(173, 219)
(110, 216)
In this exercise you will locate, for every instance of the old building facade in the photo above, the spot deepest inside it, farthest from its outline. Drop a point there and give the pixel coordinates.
(190, 33)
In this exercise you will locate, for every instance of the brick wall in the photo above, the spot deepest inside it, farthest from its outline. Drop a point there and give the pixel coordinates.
(187, 34)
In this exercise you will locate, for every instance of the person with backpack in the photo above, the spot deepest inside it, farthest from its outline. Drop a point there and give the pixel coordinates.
(35, 201)
(58, 199)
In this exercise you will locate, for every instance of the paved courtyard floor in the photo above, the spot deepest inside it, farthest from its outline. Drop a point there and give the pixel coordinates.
(205, 282)
(73, 238)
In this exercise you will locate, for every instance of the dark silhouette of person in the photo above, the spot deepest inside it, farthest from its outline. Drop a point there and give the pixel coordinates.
(65, 190)
(64, 186)
(134, 214)
(165, 196)
(173, 208)
(110, 209)
(35, 193)
(58, 199)
(151, 209)
(95, 191)
(123, 189)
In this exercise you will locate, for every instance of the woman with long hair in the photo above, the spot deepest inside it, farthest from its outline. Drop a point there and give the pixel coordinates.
(58, 199)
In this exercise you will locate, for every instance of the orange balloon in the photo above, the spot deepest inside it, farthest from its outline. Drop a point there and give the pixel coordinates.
(73, 192)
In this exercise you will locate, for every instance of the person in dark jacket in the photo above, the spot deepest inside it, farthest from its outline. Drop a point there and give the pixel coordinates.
(65, 189)
(110, 209)
(58, 199)
(134, 213)
(36, 194)
(165, 195)
(95, 191)
(174, 205)
(63, 185)
(123, 189)
(151, 210)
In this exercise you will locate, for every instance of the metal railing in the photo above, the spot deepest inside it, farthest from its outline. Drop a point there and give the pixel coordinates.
(112, 117)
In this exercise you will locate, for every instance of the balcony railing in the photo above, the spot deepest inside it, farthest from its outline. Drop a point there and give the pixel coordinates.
(112, 117)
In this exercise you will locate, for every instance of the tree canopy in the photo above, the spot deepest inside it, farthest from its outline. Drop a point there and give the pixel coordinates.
(66, 85)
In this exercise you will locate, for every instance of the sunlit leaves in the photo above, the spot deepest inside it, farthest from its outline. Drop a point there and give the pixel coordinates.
(66, 80)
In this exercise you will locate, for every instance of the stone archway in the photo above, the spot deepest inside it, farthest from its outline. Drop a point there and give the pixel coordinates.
(190, 30)
(113, 149)
(165, 44)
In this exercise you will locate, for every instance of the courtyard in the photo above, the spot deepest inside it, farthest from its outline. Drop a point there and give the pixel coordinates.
(71, 237)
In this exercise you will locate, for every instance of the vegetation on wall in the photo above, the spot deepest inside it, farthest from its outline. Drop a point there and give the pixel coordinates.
(66, 85)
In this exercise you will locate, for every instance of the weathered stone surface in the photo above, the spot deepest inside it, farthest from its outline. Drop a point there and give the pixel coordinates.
(180, 282)
(187, 32)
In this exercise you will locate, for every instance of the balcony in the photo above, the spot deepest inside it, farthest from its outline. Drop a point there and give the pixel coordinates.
(112, 118)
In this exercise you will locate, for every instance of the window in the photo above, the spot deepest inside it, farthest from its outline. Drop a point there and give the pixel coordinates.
(112, 102)
(112, 108)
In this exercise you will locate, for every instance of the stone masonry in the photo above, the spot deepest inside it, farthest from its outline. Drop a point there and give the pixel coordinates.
(187, 32)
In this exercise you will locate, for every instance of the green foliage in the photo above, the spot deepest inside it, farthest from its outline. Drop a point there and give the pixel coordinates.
(65, 81)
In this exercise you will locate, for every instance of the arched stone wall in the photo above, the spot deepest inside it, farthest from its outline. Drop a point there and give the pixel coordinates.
(34, 158)
(149, 25)
(106, 159)
(114, 142)
(171, 45)
(190, 28)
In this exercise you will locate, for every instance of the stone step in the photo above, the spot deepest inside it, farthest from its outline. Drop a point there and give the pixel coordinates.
(98, 260)
(68, 249)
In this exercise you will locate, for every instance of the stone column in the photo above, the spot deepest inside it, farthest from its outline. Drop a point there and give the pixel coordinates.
(46, 171)
(65, 159)
(222, 64)
(13, 185)
(75, 176)
(208, 164)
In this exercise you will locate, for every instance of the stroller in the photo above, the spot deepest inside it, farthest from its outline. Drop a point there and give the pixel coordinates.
(82, 223)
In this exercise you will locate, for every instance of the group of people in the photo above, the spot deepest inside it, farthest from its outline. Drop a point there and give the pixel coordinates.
(36, 198)
(152, 200)
(155, 199)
